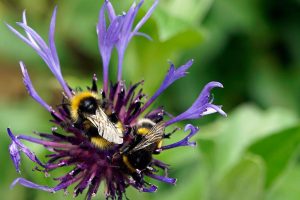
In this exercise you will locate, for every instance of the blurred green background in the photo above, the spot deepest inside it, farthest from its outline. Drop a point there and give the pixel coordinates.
(251, 46)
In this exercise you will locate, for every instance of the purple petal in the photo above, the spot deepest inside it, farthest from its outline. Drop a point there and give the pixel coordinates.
(24, 149)
(185, 141)
(204, 96)
(15, 156)
(113, 31)
(172, 75)
(47, 53)
(32, 92)
(156, 115)
(51, 38)
(28, 35)
(121, 45)
(144, 19)
(110, 10)
(105, 52)
(30, 184)
(45, 143)
(163, 178)
(127, 33)
(29, 41)
(144, 35)
(107, 38)
(151, 189)
(67, 183)
(201, 107)
(38, 41)
(85, 182)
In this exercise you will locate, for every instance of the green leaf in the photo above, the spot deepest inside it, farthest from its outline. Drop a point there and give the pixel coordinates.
(244, 181)
(224, 142)
(287, 187)
(277, 150)
(190, 185)
(174, 17)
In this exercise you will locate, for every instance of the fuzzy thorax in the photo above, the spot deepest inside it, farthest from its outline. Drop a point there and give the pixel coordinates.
(76, 100)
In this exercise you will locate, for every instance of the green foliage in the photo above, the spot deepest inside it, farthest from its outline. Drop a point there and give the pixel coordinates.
(244, 181)
(252, 47)
(277, 150)
(248, 153)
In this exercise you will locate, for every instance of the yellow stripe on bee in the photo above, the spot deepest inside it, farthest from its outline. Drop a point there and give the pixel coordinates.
(127, 163)
(143, 131)
(100, 142)
(75, 102)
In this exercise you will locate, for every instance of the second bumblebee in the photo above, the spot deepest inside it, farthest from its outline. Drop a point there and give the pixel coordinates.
(147, 140)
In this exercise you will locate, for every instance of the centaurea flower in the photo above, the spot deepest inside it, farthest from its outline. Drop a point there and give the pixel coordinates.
(93, 165)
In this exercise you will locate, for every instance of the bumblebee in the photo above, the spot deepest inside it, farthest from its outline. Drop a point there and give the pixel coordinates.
(87, 114)
(147, 139)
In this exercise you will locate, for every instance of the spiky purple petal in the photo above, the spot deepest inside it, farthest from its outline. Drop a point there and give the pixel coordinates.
(51, 38)
(47, 53)
(107, 38)
(45, 143)
(32, 92)
(150, 189)
(163, 178)
(29, 184)
(201, 107)
(110, 10)
(127, 32)
(172, 75)
(144, 19)
(16, 157)
(185, 141)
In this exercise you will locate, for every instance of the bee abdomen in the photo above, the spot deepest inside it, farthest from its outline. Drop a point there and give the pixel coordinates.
(138, 160)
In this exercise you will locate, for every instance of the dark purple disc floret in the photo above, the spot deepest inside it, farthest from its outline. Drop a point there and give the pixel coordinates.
(69, 146)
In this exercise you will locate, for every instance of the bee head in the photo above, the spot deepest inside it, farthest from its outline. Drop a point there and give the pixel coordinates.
(88, 105)
(83, 102)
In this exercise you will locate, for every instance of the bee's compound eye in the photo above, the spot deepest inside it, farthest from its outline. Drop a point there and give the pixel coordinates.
(88, 105)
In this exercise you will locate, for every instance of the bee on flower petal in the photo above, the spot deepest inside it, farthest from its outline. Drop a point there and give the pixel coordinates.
(147, 141)
(87, 113)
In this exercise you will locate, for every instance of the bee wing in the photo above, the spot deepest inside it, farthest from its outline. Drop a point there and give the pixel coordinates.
(155, 134)
(106, 128)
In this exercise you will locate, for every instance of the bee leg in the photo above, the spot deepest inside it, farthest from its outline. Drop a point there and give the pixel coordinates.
(167, 135)
(150, 168)
(137, 176)
(138, 172)
(157, 151)
(116, 155)
(124, 149)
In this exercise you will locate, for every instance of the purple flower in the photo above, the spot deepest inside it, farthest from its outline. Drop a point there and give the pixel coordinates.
(92, 119)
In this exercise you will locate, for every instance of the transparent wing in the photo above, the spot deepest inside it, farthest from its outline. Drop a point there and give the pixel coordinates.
(155, 134)
(106, 128)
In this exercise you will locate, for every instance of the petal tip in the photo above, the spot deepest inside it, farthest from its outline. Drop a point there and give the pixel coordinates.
(214, 84)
